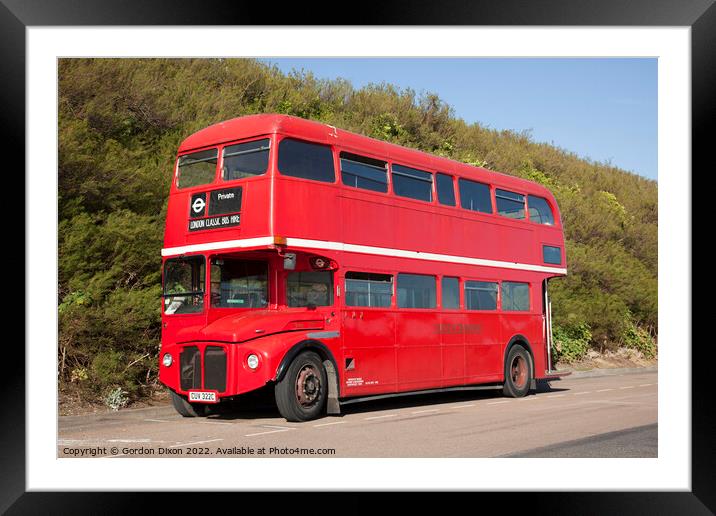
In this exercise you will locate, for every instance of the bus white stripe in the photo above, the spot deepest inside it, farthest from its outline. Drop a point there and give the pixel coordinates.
(213, 246)
(364, 249)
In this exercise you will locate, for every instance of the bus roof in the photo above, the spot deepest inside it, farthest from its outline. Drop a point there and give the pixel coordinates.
(265, 124)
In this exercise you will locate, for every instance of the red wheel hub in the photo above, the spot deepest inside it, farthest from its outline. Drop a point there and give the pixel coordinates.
(308, 386)
(518, 371)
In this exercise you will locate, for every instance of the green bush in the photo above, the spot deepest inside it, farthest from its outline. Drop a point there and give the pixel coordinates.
(570, 343)
(635, 337)
(116, 398)
(107, 367)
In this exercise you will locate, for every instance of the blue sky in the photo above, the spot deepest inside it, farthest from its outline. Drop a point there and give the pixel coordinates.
(604, 109)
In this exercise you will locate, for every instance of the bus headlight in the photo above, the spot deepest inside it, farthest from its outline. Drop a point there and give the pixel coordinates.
(167, 359)
(252, 361)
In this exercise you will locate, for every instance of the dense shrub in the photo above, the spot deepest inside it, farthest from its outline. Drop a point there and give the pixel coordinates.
(570, 343)
(635, 337)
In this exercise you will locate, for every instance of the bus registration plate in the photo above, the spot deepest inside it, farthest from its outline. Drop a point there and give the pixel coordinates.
(202, 397)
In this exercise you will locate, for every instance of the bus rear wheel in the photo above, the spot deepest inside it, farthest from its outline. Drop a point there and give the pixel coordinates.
(301, 393)
(187, 409)
(518, 372)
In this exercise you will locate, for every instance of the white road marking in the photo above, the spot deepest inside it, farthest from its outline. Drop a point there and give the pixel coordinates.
(425, 411)
(622, 388)
(646, 384)
(612, 402)
(102, 442)
(67, 442)
(380, 417)
(196, 442)
(604, 390)
(217, 423)
(464, 406)
(498, 402)
(580, 393)
(328, 424)
(269, 432)
(555, 396)
(160, 420)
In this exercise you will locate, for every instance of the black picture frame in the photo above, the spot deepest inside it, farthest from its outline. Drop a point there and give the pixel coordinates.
(17, 15)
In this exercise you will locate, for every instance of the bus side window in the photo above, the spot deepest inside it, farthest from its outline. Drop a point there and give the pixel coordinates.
(446, 189)
(480, 295)
(515, 296)
(306, 160)
(368, 289)
(309, 288)
(450, 292)
(510, 204)
(416, 291)
(475, 196)
(365, 173)
(412, 183)
(540, 211)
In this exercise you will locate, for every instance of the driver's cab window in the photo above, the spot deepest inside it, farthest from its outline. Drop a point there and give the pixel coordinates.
(184, 285)
(314, 288)
(239, 283)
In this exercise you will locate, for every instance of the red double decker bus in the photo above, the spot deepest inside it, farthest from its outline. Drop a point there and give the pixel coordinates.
(333, 267)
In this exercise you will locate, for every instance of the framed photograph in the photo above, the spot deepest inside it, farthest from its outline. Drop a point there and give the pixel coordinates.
(63, 60)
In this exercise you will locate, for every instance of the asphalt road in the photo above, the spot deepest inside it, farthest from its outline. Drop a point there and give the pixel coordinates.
(585, 416)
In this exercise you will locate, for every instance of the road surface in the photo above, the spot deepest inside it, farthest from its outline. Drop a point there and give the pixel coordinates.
(613, 415)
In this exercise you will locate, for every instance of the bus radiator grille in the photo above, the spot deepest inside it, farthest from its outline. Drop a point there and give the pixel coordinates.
(190, 368)
(215, 368)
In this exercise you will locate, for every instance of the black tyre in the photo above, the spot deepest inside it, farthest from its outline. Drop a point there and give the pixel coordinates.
(187, 409)
(301, 393)
(518, 372)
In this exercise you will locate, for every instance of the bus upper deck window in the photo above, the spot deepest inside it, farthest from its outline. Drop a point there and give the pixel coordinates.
(365, 173)
(297, 158)
(510, 204)
(197, 168)
(446, 190)
(475, 196)
(245, 160)
(412, 183)
(539, 209)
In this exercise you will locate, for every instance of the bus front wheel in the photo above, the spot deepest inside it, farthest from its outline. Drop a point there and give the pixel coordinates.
(301, 393)
(187, 409)
(518, 372)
